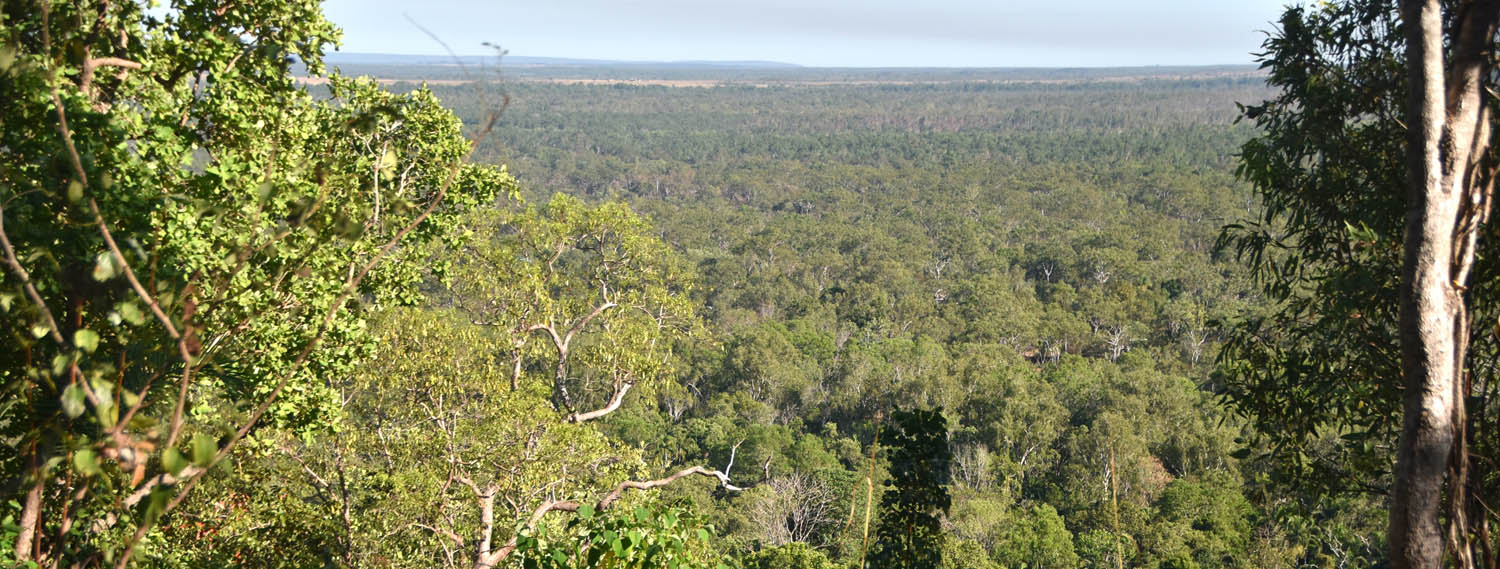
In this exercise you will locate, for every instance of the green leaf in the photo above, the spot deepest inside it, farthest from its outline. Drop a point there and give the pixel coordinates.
(86, 340)
(75, 191)
(86, 463)
(204, 449)
(173, 461)
(72, 400)
(7, 57)
(703, 535)
(6, 299)
(129, 398)
(106, 413)
(131, 313)
(157, 504)
(104, 266)
(585, 512)
(38, 330)
(60, 363)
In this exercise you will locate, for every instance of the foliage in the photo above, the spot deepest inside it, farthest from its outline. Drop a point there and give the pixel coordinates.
(584, 293)
(795, 555)
(1036, 538)
(1325, 249)
(908, 534)
(977, 245)
(191, 240)
(666, 539)
(1315, 368)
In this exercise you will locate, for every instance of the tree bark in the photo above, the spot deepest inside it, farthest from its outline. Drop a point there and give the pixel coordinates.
(31, 513)
(1447, 135)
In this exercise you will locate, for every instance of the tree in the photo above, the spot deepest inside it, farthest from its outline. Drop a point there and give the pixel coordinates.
(1373, 216)
(1450, 188)
(469, 438)
(792, 508)
(190, 242)
(609, 300)
(793, 555)
(1036, 538)
(908, 534)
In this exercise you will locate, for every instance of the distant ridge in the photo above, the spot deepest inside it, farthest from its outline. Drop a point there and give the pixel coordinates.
(343, 58)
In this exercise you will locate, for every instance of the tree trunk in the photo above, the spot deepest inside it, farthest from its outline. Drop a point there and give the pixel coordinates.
(1447, 134)
(31, 515)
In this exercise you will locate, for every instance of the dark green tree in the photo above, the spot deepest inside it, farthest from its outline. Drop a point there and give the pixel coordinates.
(908, 534)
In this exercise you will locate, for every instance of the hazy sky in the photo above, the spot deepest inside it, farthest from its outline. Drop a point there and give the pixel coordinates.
(999, 33)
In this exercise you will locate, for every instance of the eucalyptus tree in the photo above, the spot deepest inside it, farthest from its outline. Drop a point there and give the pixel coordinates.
(587, 294)
(189, 243)
(477, 419)
(438, 463)
(1375, 173)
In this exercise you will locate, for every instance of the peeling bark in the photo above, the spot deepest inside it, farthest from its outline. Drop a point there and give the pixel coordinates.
(1447, 133)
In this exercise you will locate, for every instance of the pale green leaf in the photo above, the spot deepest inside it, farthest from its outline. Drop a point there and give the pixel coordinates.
(85, 462)
(72, 400)
(104, 266)
(204, 449)
(131, 313)
(173, 461)
(86, 339)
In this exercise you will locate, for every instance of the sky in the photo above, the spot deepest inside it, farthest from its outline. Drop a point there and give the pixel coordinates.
(852, 33)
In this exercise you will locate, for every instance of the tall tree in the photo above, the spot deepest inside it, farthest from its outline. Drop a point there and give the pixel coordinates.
(1450, 187)
(1373, 214)
(908, 531)
(189, 242)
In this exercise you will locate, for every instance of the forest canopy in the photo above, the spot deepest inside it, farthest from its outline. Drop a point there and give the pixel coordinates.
(262, 313)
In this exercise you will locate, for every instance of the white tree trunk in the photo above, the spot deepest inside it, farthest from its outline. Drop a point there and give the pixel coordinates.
(1447, 128)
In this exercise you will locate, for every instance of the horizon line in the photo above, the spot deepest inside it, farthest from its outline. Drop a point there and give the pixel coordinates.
(461, 58)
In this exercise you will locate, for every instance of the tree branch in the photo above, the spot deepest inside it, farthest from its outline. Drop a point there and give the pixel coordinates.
(614, 403)
(36, 297)
(455, 538)
(578, 326)
(614, 495)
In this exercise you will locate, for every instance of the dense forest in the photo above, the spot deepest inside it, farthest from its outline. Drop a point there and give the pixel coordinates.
(266, 312)
(1035, 260)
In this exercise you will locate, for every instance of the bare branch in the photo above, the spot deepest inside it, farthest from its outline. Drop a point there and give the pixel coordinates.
(614, 403)
(163, 479)
(614, 495)
(15, 266)
(455, 538)
(585, 321)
